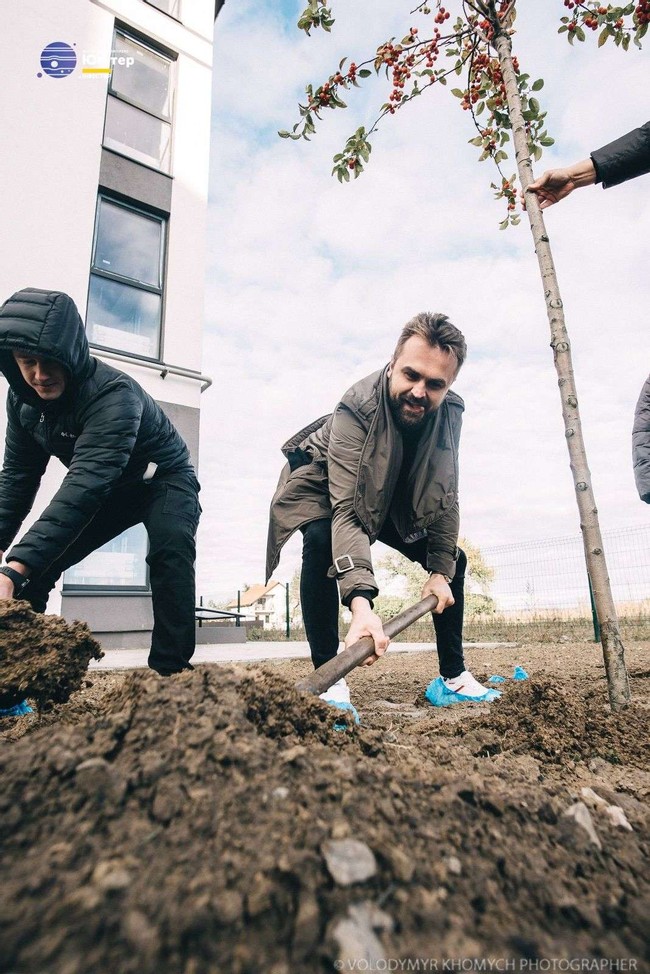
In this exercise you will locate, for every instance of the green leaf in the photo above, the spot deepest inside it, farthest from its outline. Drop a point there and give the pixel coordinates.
(534, 105)
(503, 224)
(538, 85)
(478, 140)
(458, 93)
(442, 80)
(580, 34)
(604, 34)
(364, 73)
(546, 141)
(284, 135)
(626, 42)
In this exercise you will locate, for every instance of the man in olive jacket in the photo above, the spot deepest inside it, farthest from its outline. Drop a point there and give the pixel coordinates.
(126, 465)
(383, 466)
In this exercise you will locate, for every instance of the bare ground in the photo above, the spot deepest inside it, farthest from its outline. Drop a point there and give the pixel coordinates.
(194, 824)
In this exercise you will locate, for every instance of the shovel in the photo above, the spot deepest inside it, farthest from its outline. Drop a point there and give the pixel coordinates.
(327, 674)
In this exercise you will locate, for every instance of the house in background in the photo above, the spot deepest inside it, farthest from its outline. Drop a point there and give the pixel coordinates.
(105, 106)
(265, 605)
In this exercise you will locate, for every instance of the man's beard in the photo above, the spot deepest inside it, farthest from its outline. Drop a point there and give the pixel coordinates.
(404, 418)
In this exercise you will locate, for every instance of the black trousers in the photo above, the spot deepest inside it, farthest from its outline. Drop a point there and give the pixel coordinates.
(169, 509)
(319, 596)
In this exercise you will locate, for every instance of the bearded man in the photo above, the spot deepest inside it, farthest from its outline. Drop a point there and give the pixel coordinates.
(382, 467)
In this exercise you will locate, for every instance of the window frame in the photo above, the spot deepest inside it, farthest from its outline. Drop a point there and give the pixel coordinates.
(163, 219)
(165, 54)
(178, 19)
(78, 588)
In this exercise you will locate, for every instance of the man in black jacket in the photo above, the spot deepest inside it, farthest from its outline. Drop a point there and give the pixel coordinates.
(615, 163)
(641, 443)
(126, 465)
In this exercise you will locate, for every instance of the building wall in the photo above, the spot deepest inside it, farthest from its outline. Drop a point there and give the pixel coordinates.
(51, 169)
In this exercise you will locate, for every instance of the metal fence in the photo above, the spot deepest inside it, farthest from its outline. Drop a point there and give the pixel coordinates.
(543, 586)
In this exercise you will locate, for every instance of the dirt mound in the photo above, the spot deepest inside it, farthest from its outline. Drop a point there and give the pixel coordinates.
(41, 657)
(552, 721)
(218, 821)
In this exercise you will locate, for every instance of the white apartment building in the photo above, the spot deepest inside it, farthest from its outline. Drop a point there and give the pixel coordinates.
(105, 114)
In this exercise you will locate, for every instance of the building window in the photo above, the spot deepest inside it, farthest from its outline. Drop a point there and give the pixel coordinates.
(119, 564)
(126, 280)
(139, 104)
(171, 7)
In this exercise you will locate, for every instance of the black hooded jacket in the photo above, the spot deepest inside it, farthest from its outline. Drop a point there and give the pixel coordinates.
(104, 428)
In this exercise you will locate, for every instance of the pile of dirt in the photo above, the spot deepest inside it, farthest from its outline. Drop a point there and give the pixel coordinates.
(219, 821)
(42, 657)
(553, 722)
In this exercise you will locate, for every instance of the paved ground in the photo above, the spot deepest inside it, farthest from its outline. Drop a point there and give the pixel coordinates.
(129, 659)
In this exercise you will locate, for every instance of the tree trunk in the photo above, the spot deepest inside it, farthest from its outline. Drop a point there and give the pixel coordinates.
(617, 680)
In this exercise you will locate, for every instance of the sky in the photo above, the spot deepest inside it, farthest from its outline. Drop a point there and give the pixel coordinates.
(309, 282)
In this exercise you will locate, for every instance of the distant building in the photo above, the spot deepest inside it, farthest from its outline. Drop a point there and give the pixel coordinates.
(106, 127)
(266, 605)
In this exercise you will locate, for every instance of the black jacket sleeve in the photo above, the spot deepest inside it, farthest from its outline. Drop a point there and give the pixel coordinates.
(624, 158)
(110, 424)
(24, 464)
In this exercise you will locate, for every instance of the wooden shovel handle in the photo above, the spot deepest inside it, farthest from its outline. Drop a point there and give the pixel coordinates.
(327, 674)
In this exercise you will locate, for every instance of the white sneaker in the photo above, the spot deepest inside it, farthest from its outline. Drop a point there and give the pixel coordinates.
(466, 684)
(338, 693)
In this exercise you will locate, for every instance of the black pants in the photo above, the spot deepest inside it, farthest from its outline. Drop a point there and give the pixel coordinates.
(319, 597)
(169, 509)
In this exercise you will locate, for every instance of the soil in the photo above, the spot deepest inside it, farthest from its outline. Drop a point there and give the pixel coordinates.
(202, 823)
(42, 657)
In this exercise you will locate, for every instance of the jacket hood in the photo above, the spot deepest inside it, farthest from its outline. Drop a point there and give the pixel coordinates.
(44, 323)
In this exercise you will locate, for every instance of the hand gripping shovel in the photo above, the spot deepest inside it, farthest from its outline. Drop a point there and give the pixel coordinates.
(327, 674)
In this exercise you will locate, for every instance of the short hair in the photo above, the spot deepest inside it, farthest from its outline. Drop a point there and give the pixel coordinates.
(438, 331)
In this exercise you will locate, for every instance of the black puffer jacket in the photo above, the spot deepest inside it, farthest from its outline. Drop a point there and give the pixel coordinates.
(105, 428)
(624, 158)
(641, 443)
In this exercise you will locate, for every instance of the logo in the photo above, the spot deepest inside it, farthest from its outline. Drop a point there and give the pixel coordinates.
(58, 60)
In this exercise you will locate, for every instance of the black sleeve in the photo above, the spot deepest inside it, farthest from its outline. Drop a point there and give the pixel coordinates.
(24, 464)
(623, 159)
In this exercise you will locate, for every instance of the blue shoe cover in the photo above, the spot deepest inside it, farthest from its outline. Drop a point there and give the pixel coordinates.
(441, 696)
(497, 679)
(340, 725)
(519, 673)
(17, 710)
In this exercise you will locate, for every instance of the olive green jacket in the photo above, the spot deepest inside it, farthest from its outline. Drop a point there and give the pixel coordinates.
(351, 461)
